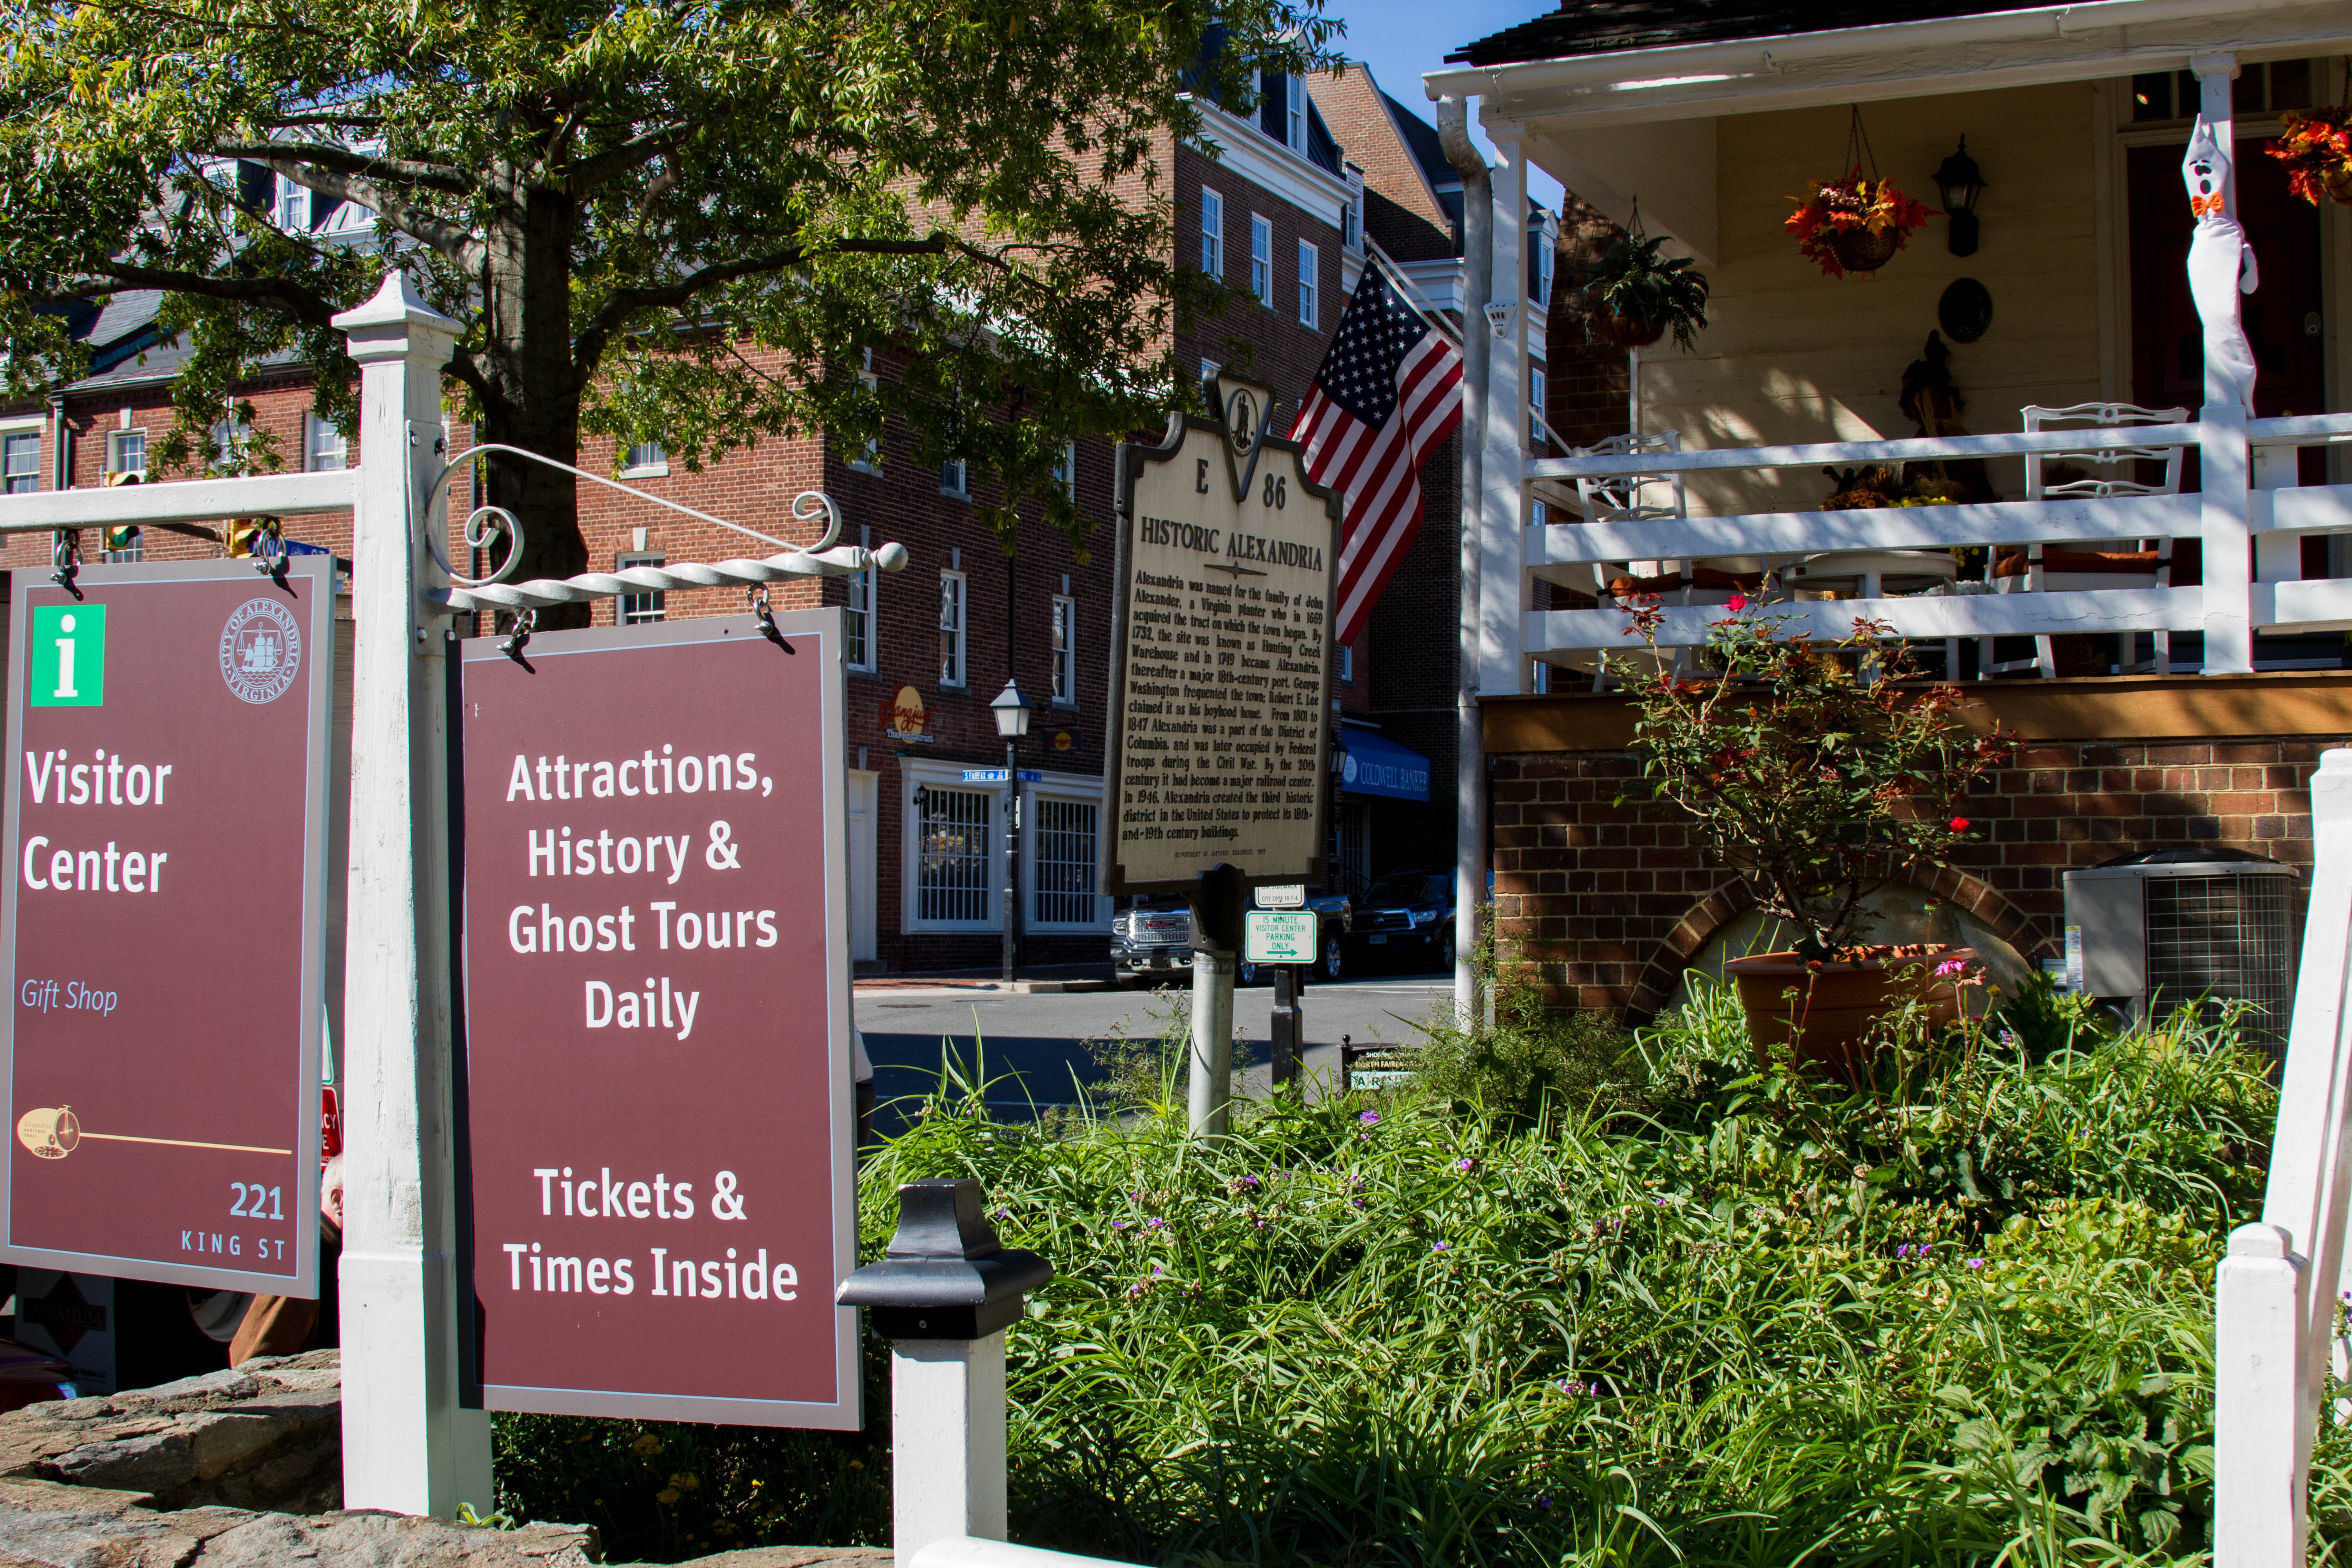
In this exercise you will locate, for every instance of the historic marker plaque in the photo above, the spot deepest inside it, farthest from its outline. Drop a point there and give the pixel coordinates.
(1222, 725)
(659, 1116)
(165, 922)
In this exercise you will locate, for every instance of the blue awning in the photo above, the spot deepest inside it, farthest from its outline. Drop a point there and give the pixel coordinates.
(1375, 765)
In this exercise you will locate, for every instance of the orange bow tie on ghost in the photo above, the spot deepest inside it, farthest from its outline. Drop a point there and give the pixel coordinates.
(2201, 205)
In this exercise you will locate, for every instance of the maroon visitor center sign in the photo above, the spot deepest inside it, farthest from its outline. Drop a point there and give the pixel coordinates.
(164, 921)
(659, 1106)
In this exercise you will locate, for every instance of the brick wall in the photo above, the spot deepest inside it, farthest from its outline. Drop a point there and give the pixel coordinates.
(1585, 394)
(1607, 901)
(1265, 343)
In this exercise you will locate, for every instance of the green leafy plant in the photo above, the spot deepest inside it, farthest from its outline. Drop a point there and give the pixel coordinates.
(1757, 1321)
(1818, 771)
(1656, 294)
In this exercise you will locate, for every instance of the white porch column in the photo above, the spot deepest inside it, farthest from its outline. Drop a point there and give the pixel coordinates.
(1501, 581)
(2224, 467)
(407, 1446)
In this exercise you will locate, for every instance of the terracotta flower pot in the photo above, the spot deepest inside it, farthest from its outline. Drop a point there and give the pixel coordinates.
(1864, 249)
(1826, 1023)
(1626, 331)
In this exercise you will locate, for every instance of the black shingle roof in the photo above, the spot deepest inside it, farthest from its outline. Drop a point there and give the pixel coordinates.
(1605, 27)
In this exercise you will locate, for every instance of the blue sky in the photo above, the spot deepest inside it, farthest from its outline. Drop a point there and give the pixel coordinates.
(1399, 39)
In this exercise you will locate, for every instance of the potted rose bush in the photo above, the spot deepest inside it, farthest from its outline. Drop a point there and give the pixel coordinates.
(1820, 772)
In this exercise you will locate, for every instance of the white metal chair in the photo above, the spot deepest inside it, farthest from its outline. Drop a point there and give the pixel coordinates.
(2062, 568)
(1632, 495)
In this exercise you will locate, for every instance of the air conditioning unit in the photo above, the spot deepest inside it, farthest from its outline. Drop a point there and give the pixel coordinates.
(2168, 927)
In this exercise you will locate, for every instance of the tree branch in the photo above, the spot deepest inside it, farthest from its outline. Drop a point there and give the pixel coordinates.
(283, 293)
(343, 161)
(588, 347)
(591, 172)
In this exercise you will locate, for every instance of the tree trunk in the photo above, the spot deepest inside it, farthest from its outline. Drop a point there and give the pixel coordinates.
(534, 400)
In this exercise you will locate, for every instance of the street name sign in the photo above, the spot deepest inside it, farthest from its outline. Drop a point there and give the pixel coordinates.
(165, 922)
(1223, 687)
(659, 1122)
(1278, 936)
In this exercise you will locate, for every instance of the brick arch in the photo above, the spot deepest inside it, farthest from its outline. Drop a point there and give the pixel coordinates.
(1727, 903)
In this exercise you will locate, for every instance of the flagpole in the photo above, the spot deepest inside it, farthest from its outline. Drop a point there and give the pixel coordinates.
(1470, 741)
(1410, 292)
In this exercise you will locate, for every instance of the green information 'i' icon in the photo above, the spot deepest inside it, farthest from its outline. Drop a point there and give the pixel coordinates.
(68, 655)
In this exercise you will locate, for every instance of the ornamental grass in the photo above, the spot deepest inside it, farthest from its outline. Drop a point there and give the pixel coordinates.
(1583, 1297)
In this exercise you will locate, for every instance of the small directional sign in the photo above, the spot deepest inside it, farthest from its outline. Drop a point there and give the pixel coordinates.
(997, 775)
(1271, 936)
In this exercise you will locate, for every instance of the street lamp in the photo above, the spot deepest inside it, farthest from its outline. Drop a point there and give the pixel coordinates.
(1961, 183)
(1012, 711)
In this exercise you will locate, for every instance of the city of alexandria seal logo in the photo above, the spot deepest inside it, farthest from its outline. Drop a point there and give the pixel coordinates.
(260, 651)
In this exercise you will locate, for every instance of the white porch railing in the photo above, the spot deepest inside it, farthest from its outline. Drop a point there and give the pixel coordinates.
(2249, 529)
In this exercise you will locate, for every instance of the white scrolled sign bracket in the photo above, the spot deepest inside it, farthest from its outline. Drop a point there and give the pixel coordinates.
(486, 524)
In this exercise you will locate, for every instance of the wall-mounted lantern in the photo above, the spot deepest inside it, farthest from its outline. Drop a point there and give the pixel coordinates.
(1961, 183)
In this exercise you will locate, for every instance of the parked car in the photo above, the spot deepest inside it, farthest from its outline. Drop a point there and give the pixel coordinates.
(1151, 940)
(1406, 922)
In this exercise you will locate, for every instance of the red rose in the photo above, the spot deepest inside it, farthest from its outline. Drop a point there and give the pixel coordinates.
(1959, 825)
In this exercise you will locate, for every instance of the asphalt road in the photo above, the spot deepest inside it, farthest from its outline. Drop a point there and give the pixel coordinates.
(1032, 1048)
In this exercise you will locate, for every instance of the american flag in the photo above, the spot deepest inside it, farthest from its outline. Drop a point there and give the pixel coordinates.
(1389, 389)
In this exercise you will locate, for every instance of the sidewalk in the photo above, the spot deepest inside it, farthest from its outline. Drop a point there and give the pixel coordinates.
(1043, 979)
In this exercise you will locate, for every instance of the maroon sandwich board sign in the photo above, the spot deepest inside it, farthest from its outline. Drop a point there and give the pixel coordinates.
(165, 923)
(658, 1119)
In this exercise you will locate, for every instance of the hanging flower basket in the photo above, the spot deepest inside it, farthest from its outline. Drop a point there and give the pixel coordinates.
(1626, 331)
(1854, 224)
(2316, 148)
(1858, 223)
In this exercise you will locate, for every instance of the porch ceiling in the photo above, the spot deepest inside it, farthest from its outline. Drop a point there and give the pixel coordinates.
(1616, 120)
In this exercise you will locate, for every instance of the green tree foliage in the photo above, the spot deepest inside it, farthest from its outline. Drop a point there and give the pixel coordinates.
(673, 220)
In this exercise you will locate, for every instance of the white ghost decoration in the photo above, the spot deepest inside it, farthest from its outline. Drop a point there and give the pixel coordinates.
(2220, 267)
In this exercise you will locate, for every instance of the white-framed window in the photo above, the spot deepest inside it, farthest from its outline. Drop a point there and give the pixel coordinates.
(1294, 116)
(954, 852)
(1065, 651)
(323, 447)
(1540, 268)
(1063, 868)
(1310, 289)
(1535, 405)
(1539, 513)
(638, 609)
(955, 477)
(1351, 217)
(1347, 664)
(1065, 470)
(869, 455)
(293, 206)
(951, 628)
(126, 452)
(645, 461)
(1212, 232)
(20, 461)
(859, 623)
(1261, 259)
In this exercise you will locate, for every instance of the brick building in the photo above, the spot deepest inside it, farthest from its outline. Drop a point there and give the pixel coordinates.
(1268, 202)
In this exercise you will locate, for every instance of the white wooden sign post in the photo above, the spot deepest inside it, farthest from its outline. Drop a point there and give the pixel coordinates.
(408, 1444)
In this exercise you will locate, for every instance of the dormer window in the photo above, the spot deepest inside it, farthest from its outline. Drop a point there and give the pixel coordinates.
(1351, 217)
(1294, 92)
(293, 206)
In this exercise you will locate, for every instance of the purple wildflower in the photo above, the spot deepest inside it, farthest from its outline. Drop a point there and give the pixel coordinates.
(1441, 1247)
(1951, 967)
(1370, 1118)
(1465, 1163)
(1975, 1263)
